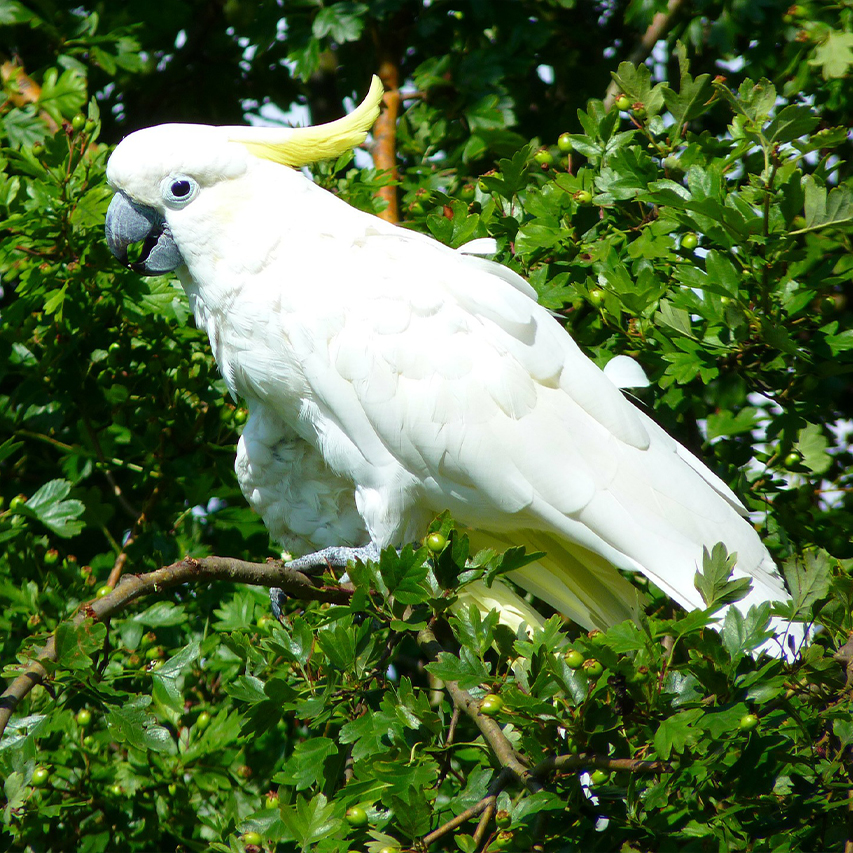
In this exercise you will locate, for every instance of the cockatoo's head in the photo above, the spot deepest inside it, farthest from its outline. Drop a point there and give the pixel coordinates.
(161, 170)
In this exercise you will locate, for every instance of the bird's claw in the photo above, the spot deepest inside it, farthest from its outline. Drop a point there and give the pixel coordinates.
(336, 557)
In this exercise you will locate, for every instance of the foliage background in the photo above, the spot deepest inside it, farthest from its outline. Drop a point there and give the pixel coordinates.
(704, 229)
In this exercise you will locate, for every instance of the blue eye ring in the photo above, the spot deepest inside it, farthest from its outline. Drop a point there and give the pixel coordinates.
(178, 190)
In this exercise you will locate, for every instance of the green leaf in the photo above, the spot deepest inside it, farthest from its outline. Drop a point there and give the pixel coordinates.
(342, 21)
(310, 820)
(676, 732)
(813, 445)
(75, 644)
(131, 724)
(808, 580)
(834, 55)
(306, 766)
(467, 669)
(713, 583)
(741, 634)
(48, 506)
(822, 210)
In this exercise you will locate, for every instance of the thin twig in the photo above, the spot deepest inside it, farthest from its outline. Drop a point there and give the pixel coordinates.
(96, 445)
(121, 559)
(188, 570)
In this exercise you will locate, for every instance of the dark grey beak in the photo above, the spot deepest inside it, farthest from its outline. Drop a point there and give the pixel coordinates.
(128, 223)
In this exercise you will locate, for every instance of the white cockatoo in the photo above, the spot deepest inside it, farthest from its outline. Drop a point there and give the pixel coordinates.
(389, 377)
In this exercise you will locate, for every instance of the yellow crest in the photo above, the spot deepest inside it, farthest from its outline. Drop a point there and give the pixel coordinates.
(298, 146)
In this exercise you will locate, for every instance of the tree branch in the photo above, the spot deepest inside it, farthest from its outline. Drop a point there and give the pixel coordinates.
(385, 136)
(491, 731)
(189, 570)
(661, 24)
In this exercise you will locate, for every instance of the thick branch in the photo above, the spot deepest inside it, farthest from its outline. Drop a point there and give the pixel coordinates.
(661, 24)
(188, 570)
(491, 731)
(585, 761)
(385, 136)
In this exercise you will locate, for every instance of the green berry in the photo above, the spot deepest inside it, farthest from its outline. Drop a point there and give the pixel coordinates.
(90, 125)
(244, 771)
(689, 241)
(748, 722)
(503, 819)
(622, 102)
(390, 850)
(84, 717)
(88, 742)
(116, 790)
(573, 659)
(155, 653)
(436, 542)
(504, 840)
(544, 157)
(593, 668)
(253, 838)
(641, 676)
(564, 143)
(203, 721)
(103, 591)
(583, 197)
(356, 816)
(78, 122)
(599, 777)
(240, 416)
(467, 192)
(491, 704)
(40, 777)
(596, 297)
(17, 502)
(38, 149)
(51, 557)
(793, 461)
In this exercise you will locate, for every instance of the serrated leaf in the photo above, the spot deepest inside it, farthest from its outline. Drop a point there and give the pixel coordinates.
(813, 446)
(713, 583)
(676, 732)
(131, 723)
(310, 820)
(808, 580)
(467, 669)
(744, 633)
(75, 644)
(305, 768)
(823, 210)
(60, 516)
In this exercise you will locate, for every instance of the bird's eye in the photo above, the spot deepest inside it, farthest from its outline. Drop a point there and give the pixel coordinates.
(179, 190)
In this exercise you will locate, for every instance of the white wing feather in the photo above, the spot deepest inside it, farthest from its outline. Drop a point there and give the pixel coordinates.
(427, 379)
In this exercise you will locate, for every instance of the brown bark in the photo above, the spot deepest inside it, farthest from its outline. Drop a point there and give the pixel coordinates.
(385, 136)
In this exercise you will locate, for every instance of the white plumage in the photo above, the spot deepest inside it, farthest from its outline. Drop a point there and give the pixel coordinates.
(389, 378)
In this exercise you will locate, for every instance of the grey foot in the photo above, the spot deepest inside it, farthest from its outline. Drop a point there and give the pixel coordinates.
(336, 557)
